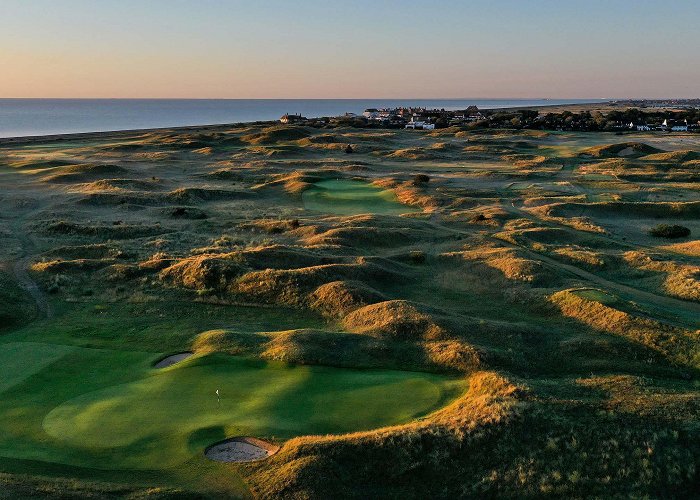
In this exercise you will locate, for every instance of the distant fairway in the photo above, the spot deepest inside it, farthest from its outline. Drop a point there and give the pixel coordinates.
(348, 197)
(111, 409)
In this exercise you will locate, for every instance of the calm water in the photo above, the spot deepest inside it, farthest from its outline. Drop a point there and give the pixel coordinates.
(19, 117)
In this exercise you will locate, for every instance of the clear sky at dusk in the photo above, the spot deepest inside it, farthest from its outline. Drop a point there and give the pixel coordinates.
(353, 49)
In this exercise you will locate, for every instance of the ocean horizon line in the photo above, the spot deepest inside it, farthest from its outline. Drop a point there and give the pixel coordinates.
(33, 117)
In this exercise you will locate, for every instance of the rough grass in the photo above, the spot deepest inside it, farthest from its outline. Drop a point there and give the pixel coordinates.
(625, 149)
(16, 307)
(276, 134)
(676, 344)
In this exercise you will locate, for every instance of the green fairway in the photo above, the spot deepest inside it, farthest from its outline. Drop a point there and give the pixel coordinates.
(348, 197)
(20, 360)
(597, 296)
(112, 410)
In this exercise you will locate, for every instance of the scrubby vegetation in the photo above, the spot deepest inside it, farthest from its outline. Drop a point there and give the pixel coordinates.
(473, 311)
(669, 231)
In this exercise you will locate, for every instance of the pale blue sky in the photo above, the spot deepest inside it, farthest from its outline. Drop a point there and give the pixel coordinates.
(360, 48)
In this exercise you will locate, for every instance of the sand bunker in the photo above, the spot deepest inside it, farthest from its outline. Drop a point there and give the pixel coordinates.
(171, 360)
(240, 449)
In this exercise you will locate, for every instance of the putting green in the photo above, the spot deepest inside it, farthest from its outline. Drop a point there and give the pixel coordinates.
(112, 410)
(597, 296)
(348, 197)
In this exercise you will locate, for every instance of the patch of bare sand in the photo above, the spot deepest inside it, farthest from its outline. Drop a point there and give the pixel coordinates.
(171, 360)
(240, 449)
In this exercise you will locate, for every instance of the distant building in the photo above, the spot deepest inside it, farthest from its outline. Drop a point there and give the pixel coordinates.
(641, 127)
(675, 126)
(371, 114)
(287, 118)
(420, 125)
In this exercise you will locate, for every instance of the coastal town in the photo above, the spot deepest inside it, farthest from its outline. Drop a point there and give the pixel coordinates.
(679, 116)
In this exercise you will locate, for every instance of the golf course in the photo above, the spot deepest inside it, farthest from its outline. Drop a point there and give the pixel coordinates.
(259, 310)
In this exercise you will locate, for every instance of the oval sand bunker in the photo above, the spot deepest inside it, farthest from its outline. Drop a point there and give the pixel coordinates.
(171, 360)
(240, 449)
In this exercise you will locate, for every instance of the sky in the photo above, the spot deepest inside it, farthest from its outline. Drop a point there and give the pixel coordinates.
(349, 49)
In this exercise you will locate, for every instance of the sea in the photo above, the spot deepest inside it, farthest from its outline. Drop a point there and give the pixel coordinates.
(30, 117)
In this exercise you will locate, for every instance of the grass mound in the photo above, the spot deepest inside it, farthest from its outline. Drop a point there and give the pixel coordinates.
(121, 185)
(298, 182)
(675, 344)
(360, 235)
(396, 318)
(524, 160)
(191, 213)
(625, 149)
(284, 257)
(691, 248)
(199, 195)
(433, 152)
(277, 134)
(272, 226)
(94, 251)
(341, 349)
(69, 266)
(114, 231)
(294, 286)
(85, 173)
(338, 298)
(328, 142)
(673, 156)
(518, 268)
(204, 272)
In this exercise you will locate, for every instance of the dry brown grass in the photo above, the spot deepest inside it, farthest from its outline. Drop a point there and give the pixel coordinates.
(204, 272)
(85, 173)
(581, 256)
(673, 156)
(625, 149)
(339, 298)
(276, 134)
(272, 226)
(676, 344)
(691, 248)
(395, 318)
(681, 280)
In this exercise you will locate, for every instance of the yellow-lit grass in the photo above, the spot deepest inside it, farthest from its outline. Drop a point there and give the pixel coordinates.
(676, 344)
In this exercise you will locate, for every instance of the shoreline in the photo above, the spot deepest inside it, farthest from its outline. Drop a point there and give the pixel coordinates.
(107, 134)
(29, 139)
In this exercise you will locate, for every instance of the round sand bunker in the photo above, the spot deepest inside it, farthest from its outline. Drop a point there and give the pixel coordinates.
(240, 449)
(171, 360)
